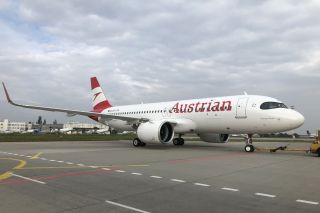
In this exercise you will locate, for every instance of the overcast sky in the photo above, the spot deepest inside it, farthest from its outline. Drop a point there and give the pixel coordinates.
(149, 51)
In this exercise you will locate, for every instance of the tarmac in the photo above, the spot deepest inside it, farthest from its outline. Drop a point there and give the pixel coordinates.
(114, 176)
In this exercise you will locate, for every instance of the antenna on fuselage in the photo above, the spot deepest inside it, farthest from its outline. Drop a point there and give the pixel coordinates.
(245, 93)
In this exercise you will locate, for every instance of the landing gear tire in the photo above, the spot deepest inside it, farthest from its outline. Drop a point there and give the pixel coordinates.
(178, 141)
(249, 148)
(143, 144)
(136, 142)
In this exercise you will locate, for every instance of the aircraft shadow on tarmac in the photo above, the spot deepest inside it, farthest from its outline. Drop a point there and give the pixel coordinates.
(214, 147)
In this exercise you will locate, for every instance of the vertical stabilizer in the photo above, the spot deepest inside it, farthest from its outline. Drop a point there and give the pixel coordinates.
(99, 101)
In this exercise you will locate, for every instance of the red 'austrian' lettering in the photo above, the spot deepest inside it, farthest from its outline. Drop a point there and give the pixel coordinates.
(212, 106)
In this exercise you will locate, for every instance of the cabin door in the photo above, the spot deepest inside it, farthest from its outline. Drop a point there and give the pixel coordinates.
(242, 108)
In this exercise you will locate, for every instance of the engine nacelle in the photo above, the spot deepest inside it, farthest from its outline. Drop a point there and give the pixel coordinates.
(214, 138)
(159, 131)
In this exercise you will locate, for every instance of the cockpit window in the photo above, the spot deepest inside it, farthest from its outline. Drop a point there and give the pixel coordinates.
(272, 105)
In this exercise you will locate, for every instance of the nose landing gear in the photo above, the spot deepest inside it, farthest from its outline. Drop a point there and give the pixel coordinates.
(249, 147)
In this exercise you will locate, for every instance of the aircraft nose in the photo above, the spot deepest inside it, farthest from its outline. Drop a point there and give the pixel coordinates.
(298, 119)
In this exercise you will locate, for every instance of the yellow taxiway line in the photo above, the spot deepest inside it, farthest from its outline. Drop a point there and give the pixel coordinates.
(8, 174)
(36, 156)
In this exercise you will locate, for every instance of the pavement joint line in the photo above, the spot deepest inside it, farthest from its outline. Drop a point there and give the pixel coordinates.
(121, 171)
(26, 178)
(135, 173)
(307, 202)
(265, 195)
(126, 207)
(201, 184)
(157, 177)
(178, 180)
(230, 189)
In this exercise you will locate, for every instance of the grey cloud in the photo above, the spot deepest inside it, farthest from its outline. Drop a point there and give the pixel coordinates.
(159, 50)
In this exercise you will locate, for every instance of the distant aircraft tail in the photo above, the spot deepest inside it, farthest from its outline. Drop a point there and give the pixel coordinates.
(99, 101)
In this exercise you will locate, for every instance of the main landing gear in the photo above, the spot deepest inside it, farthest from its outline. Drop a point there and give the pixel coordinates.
(249, 147)
(136, 142)
(178, 141)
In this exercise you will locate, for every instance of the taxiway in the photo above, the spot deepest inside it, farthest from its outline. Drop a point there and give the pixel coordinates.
(116, 177)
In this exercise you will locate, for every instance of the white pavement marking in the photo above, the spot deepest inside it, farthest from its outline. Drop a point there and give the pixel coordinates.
(121, 171)
(15, 154)
(60, 161)
(308, 202)
(265, 195)
(22, 155)
(107, 169)
(28, 156)
(80, 164)
(230, 189)
(70, 163)
(126, 207)
(134, 173)
(178, 180)
(93, 167)
(43, 158)
(157, 177)
(53, 160)
(26, 178)
(201, 184)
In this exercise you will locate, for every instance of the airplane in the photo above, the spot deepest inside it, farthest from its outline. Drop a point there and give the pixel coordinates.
(212, 119)
(102, 131)
(65, 130)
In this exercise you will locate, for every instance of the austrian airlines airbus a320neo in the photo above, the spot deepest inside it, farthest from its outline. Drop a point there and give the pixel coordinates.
(212, 119)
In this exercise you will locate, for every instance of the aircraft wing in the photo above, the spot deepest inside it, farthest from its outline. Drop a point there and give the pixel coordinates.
(72, 112)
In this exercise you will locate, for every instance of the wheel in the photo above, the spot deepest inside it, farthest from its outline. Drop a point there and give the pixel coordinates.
(181, 142)
(176, 141)
(142, 143)
(249, 148)
(318, 152)
(136, 142)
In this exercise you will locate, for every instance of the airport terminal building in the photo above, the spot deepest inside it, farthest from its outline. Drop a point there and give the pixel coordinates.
(7, 126)
(12, 126)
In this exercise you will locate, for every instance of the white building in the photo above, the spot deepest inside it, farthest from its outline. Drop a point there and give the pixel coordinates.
(10, 126)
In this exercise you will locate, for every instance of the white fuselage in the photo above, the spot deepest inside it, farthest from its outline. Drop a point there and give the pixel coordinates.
(230, 114)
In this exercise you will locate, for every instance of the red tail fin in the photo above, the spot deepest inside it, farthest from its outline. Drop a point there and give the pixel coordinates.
(99, 101)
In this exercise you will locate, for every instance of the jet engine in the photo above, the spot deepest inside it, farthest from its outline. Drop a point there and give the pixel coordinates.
(158, 131)
(214, 138)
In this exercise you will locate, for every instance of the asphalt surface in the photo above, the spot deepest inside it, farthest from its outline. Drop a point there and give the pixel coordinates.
(116, 177)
